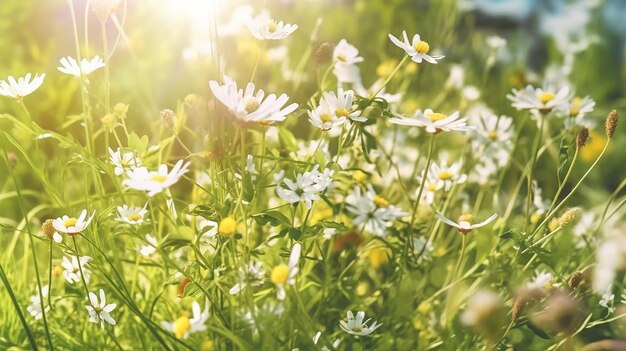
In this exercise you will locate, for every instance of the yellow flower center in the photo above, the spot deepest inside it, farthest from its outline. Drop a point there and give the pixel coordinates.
(422, 47)
(575, 109)
(70, 222)
(325, 117)
(252, 105)
(432, 186)
(181, 326)
(158, 178)
(227, 226)
(380, 201)
(466, 217)
(435, 116)
(134, 217)
(445, 175)
(342, 58)
(124, 164)
(280, 274)
(357, 329)
(546, 96)
(493, 135)
(342, 112)
(271, 27)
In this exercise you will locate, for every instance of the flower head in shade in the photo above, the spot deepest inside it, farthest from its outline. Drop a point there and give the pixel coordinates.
(466, 222)
(131, 215)
(543, 100)
(35, 309)
(72, 225)
(434, 122)
(154, 182)
(357, 326)
(185, 326)
(21, 87)
(99, 311)
(346, 53)
(263, 27)
(250, 276)
(123, 162)
(306, 186)
(577, 109)
(72, 268)
(70, 66)
(373, 212)
(417, 48)
(323, 118)
(248, 106)
(150, 248)
(285, 274)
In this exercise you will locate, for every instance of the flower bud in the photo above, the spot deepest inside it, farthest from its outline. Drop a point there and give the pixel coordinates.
(48, 229)
(168, 118)
(581, 138)
(611, 123)
(324, 53)
(576, 280)
(570, 216)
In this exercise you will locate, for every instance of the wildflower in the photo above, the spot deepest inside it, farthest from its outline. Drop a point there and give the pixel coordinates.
(35, 309)
(151, 248)
(252, 276)
(70, 66)
(346, 53)
(465, 222)
(71, 225)
(569, 216)
(417, 49)
(341, 104)
(577, 109)
(611, 123)
(227, 226)
(321, 117)
(541, 281)
(154, 182)
(447, 175)
(265, 28)
(434, 122)
(543, 100)
(356, 326)
(168, 118)
(185, 326)
(481, 307)
(100, 311)
(73, 267)
(285, 274)
(611, 258)
(607, 301)
(48, 230)
(372, 211)
(248, 106)
(131, 215)
(250, 166)
(22, 87)
(306, 187)
(495, 42)
(126, 162)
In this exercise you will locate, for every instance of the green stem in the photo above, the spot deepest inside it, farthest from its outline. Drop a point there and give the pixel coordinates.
(29, 333)
(393, 73)
(423, 182)
(530, 172)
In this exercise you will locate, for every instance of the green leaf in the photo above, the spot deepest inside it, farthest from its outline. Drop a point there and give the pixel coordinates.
(287, 139)
(274, 218)
(564, 147)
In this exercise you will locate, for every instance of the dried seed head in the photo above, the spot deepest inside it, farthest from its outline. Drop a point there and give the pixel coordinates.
(570, 216)
(48, 229)
(168, 118)
(611, 123)
(324, 53)
(576, 280)
(581, 138)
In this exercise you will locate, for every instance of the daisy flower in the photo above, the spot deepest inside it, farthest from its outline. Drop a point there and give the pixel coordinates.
(341, 104)
(306, 186)
(151, 248)
(607, 301)
(252, 276)
(465, 222)
(285, 274)
(447, 175)
(346, 53)
(578, 108)
(21, 87)
(35, 309)
(248, 106)
(72, 225)
(356, 326)
(70, 66)
(325, 119)
(541, 281)
(263, 27)
(542, 100)
(417, 48)
(431, 187)
(154, 182)
(372, 211)
(185, 326)
(131, 215)
(99, 312)
(125, 162)
(434, 122)
(72, 268)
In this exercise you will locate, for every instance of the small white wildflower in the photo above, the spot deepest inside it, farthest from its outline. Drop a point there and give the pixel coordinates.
(70, 66)
(154, 182)
(72, 268)
(465, 222)
(99, 312)
(357, 326)
(21, 87)
(263, 27)
(150, 248)
(417, 48)
(125, 162)
(131, 215)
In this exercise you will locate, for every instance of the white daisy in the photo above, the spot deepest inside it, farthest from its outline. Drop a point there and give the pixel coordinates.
(306, 187)
(372, 211)
(150, 248)
(131, 215)
(123, 162)
(541, 100)
(447, 175)
(346, 53)
(608, 300)
(99, 312)
(154, 182)
(22, 87)
(248, 106)
(70, 66)
(417, 49)
(185, 326)
(465, 222)
(285, 274)
(541, 281)
(434, 122)
(72, 225)
(263, 27)
(325, 119)
(577, 109)
(252, 276)
(341, 104)
(35, 309)
(72, 269)
(356, 326)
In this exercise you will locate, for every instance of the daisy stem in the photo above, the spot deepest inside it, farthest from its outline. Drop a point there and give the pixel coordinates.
(29, 119)
(29, 333)
(529, 196)
(393, 73)
(22, 207)
(423, 182)
(50, 275)
(560, 189)
(262, 150)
